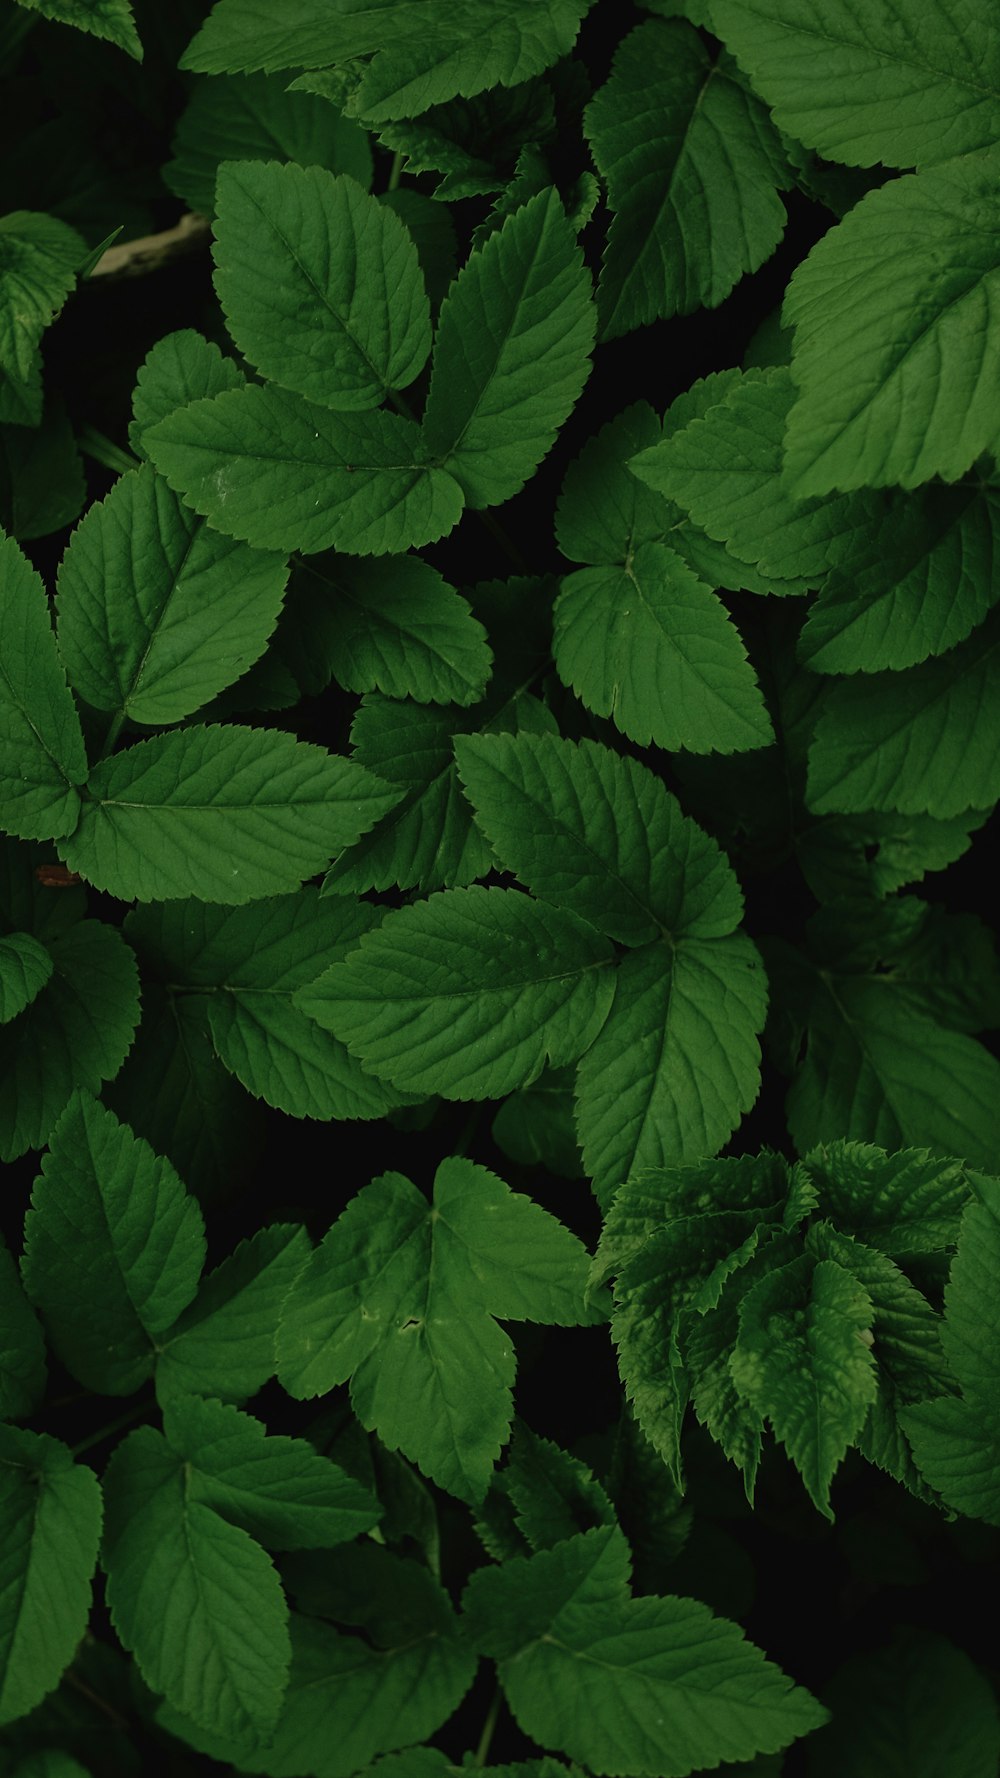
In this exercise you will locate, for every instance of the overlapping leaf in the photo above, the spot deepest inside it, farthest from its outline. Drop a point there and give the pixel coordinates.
(182, 367)
(223, 1343)
(112, 20)
(42, 755)
(25, 967)
(39, 257)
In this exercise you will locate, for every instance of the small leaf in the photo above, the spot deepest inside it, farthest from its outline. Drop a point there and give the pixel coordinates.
(182, 367)
(42, 755)
(39, 256)
(111, 20)
(25, 967)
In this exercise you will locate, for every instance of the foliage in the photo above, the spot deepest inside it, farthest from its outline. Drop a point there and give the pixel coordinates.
(486, 1091)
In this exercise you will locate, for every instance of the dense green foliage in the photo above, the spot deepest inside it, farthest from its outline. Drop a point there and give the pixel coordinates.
(500, 1251)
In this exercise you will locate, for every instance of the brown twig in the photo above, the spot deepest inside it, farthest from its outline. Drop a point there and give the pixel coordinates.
(133, 259)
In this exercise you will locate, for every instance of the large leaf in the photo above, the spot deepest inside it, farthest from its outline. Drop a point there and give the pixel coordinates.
(282, 473)
(226, 813)
(895, 353)
(223, 1343)
(42, 755)
(599, 834)
(469, 993)
(113, 1248)
(906, 85)
(50, 1514)
(156, 611)
(638, 1685)
(319, 282)
(676, 1062)
(691, 161)
(512, 353)
(400, 1299)
(193, 1598)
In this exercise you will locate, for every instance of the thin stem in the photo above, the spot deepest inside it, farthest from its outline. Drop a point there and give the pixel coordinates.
(115, 727)
(135, 1412)
(480, 1755)
(80, 1685)
(505, 541)
(395, 172)
(105, 451)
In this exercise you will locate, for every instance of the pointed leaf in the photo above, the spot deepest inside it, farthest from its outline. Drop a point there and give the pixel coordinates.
(223, 1344)
(908, 1202)
(42, 755)
(111, 20)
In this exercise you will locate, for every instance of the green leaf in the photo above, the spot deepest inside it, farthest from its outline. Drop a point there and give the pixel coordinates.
(25, 967)
(802, 1361)
(111, 20)
(182, 367)
(474, 143)
(396, 627)
(42, 755)
(400, 1299)
(22, 1347)
(902, 1203)
(246, 966)
(76, 1033)
(905, 86)
(194, 1599)
(956, 1447)
(279, 1490)
(281, 473)
(676, 1062)
(50, 1514)
(535, 1125)
(876, 854)
(156, 612)
(512, 353)
(39, 256)
(647, 1685)
(223, 1344)
(691, 161)
(255, 118)
(894, 353)
(42, 484)
(597, 833)
(319, 283)
(553, 1495)
(416, 60)
(913, 742)
(604, 512)
(226, 813)
(468, 994)
(113, 1248)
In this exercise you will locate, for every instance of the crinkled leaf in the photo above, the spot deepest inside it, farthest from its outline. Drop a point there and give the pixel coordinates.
(901, 1203)
(223, 1344)
(42, 755)
(113, 1248)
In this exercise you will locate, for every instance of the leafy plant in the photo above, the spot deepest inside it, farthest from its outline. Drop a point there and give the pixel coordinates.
(493, 1085)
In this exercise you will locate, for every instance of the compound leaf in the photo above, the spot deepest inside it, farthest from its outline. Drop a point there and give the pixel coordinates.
(42, 755)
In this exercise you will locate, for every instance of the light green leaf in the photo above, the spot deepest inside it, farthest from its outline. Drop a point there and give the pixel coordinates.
(802, 1361)
(691, 161)
(111, 20)
(279, 1490)
(182, 367)
(113, 1248)
(42, 755)
(281, 473)
(319, 283)
(245, 966)
(894, 354)
(468, 994)
(647, 1685)
(598, 833)
(397, 627)
(39, 257)
(25, 967)
(905, 85)
(415, 60)
(902, 1203)
(76, 1033)
(156, 612)
(651, 646)
(676, 1062)
(400, 1299)
(194, 1599)
(256, 118)
(512, 353)
(50, 1514)
(22, 1347)
(223, 1344)
(914, 742)
(225, 813)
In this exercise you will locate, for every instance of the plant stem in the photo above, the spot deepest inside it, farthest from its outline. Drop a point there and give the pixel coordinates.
(105, 451)
(115, 727)
(395, 172)
(135, 1412)
(480, 1755)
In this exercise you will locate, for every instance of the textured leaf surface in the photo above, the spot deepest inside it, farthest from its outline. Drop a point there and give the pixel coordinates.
(39, 256)
(42, 755)
(226, 813)
(22, 1346)
(957, 1450)
(468, 994)
(691, 160)
(604, 512)
(512, 353)
(676, 1062)
(25, 967)
(180, 368)
(50, 1511)
(156, 612)
(646, 1685)
(914, 742)
(269, 467)
(114, 1248)
(223, 1344)
(907, 85)
(319, 282)
(400, 1298)
(195, 1599)
(901, 1203)
(895, 350)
